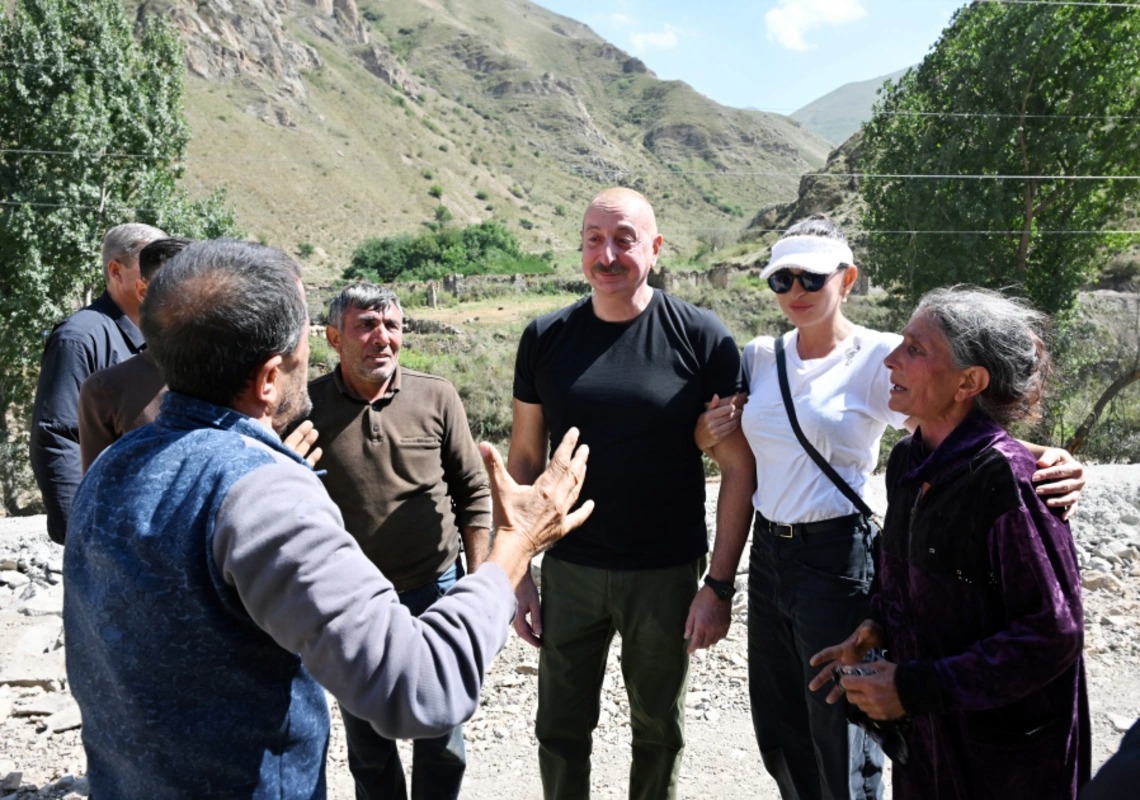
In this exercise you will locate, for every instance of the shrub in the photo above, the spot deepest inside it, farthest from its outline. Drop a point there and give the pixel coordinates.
(486, 248)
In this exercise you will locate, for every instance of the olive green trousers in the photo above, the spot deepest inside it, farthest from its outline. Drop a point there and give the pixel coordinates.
(582, 608)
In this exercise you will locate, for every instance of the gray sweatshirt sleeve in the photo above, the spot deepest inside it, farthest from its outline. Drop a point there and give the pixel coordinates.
(280, 542)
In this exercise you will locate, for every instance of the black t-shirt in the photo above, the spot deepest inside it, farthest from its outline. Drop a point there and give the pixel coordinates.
(634, 389)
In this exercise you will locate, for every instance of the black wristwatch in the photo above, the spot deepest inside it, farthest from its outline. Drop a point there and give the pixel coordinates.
(724, 590)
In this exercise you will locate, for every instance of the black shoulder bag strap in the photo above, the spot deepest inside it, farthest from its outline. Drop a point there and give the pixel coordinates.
(828, 470)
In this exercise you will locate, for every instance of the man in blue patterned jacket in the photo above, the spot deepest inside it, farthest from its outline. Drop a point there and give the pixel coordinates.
(211, 583)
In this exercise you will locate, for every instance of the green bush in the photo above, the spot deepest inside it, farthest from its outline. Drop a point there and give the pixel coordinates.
(484, 249)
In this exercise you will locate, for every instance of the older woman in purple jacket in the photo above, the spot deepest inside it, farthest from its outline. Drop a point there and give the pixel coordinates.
(978, 599)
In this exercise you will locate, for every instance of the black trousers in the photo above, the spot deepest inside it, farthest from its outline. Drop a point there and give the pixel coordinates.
(808, 590)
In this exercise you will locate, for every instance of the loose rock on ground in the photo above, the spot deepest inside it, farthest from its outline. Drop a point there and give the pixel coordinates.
(42, 756)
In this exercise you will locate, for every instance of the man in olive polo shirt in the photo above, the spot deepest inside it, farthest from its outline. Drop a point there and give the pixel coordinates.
(407, 476)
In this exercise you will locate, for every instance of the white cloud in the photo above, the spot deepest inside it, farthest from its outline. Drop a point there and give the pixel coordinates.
(619, 20)
(792, 19)
(661, 40)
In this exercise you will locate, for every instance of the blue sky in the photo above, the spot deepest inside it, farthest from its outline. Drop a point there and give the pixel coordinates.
(775, 55)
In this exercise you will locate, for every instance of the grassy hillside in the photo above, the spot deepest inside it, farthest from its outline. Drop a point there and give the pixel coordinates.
(506, 110)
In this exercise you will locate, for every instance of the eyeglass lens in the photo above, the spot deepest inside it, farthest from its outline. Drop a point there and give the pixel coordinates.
(781, 281)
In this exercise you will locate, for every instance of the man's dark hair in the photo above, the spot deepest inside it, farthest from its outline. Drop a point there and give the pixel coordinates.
(365, 296)
(157, 253)
(219, 310)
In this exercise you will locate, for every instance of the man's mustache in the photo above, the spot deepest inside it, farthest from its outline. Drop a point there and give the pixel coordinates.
(613, 268)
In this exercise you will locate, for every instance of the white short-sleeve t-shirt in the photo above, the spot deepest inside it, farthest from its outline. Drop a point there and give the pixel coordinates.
(841, 403)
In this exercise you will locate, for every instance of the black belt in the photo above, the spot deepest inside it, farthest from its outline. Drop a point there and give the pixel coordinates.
(790, 530)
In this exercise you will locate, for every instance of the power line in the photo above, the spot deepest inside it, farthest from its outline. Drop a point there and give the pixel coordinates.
(995, 115)
(860, 175)
(1057, 232)
(47, 65)
(188, 160)
(1064, 3)
(80, 153)
(691, 228)
(596, 173)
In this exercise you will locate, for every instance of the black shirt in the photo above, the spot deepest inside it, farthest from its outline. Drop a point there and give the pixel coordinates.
(634, 389)
(91, 339)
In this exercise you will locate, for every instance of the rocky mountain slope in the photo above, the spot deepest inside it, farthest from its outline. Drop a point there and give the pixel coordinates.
(328, 121)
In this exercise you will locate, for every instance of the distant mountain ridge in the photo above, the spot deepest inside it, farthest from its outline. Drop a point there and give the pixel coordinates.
(838, 114)
(329, 121)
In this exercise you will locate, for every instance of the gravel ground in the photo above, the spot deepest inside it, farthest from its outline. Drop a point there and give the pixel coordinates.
(41, 756)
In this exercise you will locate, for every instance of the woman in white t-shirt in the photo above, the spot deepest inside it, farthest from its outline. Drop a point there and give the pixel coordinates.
(811, 562)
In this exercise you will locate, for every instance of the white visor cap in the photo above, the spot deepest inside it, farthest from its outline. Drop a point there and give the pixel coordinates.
(817, 254)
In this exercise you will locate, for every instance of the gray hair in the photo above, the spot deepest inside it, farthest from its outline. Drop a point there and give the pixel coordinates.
(217, 311)
(365, 296)
(124, 241)
(1002, 334)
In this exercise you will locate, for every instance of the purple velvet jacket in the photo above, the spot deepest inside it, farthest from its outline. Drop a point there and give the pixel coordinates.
(979, 594)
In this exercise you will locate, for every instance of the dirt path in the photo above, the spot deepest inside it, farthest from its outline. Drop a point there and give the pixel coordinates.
(494, 312)
(721, 760)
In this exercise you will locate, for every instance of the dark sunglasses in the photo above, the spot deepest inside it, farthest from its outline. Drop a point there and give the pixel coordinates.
(781, 280)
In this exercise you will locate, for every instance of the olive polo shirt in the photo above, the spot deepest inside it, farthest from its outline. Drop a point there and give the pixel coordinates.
(404, 471)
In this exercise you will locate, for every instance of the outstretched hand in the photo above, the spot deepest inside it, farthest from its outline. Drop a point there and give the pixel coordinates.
(529, 519)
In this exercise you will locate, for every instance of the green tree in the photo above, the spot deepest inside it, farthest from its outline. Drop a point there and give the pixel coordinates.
(1048, 93)
(488, 247)
(91, 135)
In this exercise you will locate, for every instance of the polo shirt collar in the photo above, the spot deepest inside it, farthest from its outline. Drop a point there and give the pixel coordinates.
(342, 387)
